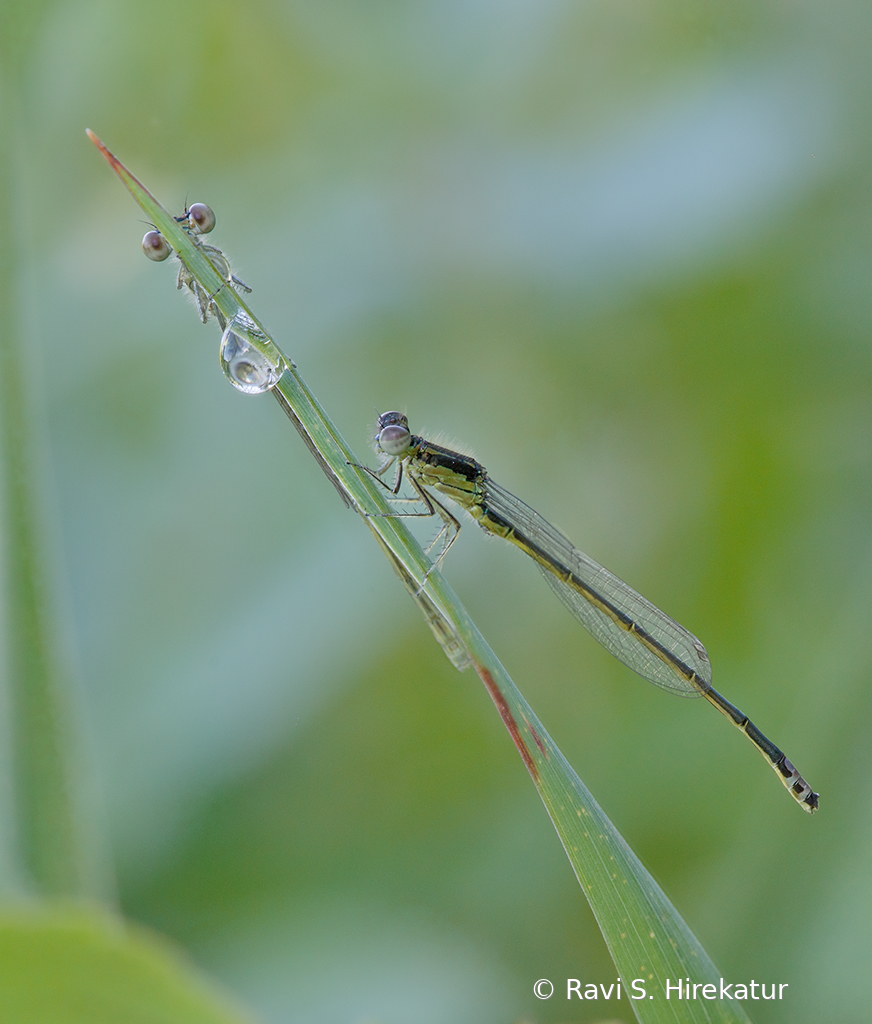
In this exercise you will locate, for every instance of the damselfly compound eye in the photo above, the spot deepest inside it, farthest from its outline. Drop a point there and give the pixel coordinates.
(394, 439)
(155, 246)
(393, 435)
(244, 366)
(201, 218)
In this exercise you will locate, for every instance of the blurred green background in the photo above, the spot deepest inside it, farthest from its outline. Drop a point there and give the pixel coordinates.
(621, 252)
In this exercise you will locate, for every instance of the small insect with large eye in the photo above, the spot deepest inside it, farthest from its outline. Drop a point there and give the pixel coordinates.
(198, 219)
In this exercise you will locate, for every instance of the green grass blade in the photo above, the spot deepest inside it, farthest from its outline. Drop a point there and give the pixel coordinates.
(648, 939)
(49, 846)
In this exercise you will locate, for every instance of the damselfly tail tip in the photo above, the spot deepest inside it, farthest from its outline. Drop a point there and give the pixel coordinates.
(799, 789)
(809, 802)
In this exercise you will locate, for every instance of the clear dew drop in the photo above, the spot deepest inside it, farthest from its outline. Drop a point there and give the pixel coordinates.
(244, 366)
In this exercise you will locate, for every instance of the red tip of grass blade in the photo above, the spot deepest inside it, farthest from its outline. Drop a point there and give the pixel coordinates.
(134, 185)
(98, 142)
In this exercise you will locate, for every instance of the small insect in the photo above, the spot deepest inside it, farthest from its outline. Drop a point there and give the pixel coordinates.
(198, 219)
(629, 626)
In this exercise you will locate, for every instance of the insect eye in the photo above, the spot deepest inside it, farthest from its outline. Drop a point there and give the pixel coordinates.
(201, 218)
(155, 246)
(394, 439)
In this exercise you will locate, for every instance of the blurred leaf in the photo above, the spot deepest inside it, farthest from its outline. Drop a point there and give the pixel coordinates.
(70, 966)
(20, 21)
(52, 843)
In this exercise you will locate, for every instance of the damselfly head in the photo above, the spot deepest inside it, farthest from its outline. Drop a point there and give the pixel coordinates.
(198, 218)
(393, 435)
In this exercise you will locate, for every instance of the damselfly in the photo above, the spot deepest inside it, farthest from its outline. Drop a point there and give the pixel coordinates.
(634, 630)
(198, 219)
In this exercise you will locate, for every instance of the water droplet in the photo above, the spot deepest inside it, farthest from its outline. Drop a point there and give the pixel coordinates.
(245, 366)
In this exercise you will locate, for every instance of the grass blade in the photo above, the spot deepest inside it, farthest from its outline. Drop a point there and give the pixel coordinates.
(649, 941)
(49, 846)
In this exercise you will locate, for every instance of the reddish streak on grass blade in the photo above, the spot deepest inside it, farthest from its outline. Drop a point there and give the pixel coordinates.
(539, 742)
(509, 719)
